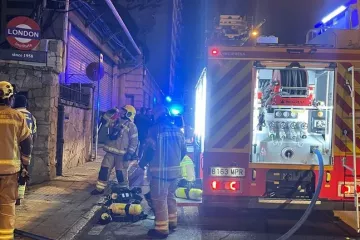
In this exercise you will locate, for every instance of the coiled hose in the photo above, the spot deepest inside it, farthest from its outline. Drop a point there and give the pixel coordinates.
(306, 214)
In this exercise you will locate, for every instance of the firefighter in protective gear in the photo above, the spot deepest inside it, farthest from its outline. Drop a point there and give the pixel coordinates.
(16, 147)
(20, 104)
(120, 148)
(163, 151)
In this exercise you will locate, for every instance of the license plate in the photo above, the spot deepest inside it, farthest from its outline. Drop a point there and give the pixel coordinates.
(227, 172)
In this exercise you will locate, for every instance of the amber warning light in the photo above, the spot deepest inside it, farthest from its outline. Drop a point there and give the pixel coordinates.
(214, 52)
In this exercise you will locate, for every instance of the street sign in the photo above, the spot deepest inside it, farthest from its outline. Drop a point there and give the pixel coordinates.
(26, 56)
(92, 71)
(23, 33)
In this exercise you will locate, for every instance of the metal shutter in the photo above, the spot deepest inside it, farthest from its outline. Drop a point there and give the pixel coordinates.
(81, 52)
(106, 87)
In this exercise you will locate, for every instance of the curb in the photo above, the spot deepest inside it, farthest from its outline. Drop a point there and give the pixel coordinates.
(80, 224)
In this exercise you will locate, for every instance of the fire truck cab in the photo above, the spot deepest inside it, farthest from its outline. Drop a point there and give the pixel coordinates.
(261, 111)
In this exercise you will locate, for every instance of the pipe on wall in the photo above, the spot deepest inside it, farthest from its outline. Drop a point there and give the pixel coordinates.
(122, 24)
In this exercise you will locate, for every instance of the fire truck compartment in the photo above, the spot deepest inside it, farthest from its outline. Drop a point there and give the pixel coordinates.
(294, 184)
(292, 114)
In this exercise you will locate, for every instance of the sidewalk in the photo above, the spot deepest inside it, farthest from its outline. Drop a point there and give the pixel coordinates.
(60, 208)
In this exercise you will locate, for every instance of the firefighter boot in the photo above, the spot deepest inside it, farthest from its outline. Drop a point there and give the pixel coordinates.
(153, 233)
(101, 182)
(121, 176)
(148, 200)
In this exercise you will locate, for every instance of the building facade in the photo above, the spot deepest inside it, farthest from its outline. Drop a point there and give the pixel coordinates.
(176, 57)
(61, 95)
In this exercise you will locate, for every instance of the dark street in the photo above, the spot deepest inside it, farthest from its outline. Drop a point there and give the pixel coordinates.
(221, 225)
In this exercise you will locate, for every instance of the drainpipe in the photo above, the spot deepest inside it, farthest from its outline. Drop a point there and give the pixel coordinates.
(65, 37)
(122, 24)
(92, 104)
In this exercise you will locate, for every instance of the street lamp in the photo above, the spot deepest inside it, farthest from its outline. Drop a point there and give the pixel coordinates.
(254, 33)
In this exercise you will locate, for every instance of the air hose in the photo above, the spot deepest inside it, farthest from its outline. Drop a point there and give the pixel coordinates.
(30, 235)
(311, 206)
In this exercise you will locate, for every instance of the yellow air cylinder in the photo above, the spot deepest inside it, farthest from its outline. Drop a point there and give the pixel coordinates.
(187, 169)
(126, 209)
(191, 194)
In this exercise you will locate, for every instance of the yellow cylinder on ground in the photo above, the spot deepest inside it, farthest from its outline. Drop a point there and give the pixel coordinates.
(187, 169)
(193, 193)
(126, 209)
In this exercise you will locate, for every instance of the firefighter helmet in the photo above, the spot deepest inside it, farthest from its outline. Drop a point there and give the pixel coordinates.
(6, 90)
(130, 112)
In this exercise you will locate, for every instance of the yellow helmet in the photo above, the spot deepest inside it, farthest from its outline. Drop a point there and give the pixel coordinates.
(130, 112)
(6, 90)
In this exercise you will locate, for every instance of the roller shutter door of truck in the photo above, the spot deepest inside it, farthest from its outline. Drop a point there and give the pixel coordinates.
(81, 52)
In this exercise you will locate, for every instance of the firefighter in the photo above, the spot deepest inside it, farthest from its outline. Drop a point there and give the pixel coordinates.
(163, 151)
(20, 104)
(16, 147)
(120, 148)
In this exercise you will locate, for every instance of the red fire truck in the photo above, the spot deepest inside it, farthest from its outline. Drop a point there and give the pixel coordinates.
(262, 110)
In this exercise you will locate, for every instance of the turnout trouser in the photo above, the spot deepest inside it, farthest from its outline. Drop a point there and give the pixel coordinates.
(8, 196)
(164, 203)
(121, 167)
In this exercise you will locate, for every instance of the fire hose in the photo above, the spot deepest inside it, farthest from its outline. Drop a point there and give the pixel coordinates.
(311, 206)
(30, 235)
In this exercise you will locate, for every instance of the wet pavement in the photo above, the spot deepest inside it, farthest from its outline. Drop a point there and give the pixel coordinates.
(224, 224)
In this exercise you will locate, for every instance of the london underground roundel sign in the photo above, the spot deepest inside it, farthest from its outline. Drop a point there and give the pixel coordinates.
(23, 33)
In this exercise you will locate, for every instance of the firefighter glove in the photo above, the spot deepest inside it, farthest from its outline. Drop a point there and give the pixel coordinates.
(25, 173)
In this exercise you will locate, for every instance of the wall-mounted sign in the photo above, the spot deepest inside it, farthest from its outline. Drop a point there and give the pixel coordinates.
(92, 71)
(23, 33)
(28, 56)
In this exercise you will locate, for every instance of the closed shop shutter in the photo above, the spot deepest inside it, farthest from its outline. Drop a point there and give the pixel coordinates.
(81, 52)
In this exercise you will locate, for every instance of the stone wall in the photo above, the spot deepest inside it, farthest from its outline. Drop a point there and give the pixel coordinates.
(41, 81)
(77, 136)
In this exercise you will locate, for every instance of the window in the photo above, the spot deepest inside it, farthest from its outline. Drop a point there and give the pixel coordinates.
(129, 99)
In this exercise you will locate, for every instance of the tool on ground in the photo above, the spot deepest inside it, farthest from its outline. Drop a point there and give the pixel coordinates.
(123, 205)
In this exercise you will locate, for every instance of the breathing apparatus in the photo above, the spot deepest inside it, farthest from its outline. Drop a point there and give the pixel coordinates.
(117, 128)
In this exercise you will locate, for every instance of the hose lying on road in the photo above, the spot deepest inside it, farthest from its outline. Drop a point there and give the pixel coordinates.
(311, 206)
(30, 235)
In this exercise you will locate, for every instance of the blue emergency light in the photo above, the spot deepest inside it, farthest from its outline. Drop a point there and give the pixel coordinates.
(335, 14)
(168, 99)
(176, 109)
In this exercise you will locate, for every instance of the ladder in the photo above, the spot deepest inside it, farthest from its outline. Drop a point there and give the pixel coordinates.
(353, 119)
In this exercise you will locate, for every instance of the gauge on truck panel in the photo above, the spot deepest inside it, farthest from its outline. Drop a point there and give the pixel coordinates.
(293, 123)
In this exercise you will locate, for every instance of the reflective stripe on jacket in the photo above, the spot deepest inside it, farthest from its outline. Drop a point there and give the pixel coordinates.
(168, 143)
(127, 141)
(30, 119)
(13, 130)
